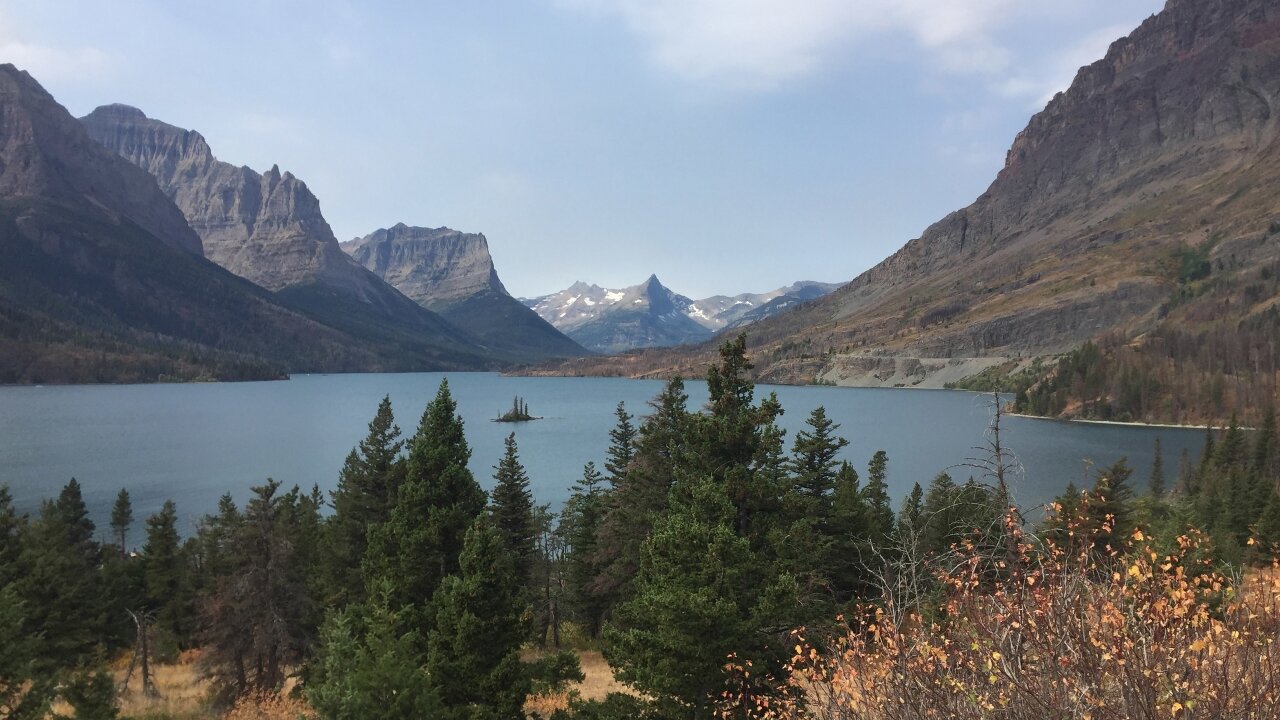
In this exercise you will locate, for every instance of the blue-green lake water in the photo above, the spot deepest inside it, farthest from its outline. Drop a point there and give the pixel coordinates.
(191, 443)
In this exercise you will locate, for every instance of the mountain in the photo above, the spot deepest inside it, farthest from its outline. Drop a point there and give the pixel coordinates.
(644, 315)
(723, 311)
(104, 281)
(452, 273)
(1138, 212)
(267, 228)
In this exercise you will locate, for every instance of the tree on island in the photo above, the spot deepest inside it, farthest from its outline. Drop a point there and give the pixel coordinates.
(519, 412)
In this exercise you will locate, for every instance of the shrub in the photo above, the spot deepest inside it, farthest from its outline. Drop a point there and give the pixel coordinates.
(1147, 634)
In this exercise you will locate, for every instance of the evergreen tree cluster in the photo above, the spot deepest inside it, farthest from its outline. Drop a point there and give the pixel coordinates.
(1231, 494)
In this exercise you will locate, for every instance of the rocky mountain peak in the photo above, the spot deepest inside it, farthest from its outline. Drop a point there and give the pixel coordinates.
(266, 228)
(50, 156)
(452, 272)
(433, 266)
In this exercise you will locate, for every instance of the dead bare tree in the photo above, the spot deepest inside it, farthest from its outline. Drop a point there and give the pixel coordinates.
(141, 655)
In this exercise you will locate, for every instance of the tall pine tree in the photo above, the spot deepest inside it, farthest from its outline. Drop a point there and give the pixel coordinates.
(419, 544)
(121, 520)
(511, 510)
(473, 652)
(368, 486)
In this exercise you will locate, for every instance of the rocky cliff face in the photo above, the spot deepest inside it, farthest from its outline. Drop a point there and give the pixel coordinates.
(452, 273)
(435, 267)
(266, 228)
(41, 143)
(1167, 145)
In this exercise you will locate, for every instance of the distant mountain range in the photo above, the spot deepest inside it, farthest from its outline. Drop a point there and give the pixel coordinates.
(452, 273)
(268, 229)
(652, 315)
(1139, 210)
(103, 280)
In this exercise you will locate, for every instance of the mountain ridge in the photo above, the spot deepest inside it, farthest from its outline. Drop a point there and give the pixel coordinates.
(1160, 151)
(268, 228)
(583, 311)
(104, 281)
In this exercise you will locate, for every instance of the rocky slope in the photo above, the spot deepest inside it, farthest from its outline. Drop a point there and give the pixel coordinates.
(104, 281)
(1163, 150)
(605, 320)
(267, 228)
(452, 273)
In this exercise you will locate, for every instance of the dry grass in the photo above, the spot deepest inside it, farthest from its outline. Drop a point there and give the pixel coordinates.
(598, 684)
(182, 692)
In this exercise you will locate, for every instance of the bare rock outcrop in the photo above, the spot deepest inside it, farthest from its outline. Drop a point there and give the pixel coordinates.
(452, 273)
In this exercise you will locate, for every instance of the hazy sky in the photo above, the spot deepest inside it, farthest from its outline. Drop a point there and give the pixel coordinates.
(726, 145)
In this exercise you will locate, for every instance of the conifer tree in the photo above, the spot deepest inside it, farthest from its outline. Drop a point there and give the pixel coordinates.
(121, 520)
(60, 586)
(473, 652)
(367, 488)
(910, 518)
(1058, 527)
(848, 531)
(730, 438)
(420, 542)
(875, 496)
(511, 510)
(1268, 530)
(254, 615)
(940, 517)
(1231, 453)
(1263, 462)
(582, 516)
(622, 446)
(167, 587)
(367, 669)
(631, 506)
(12, 526)
(700, 597)
(1155, 484)
(1110, 510)
(24, 690)
(813, 459)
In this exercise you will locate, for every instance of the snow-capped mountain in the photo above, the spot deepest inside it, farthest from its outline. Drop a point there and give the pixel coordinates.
(652, 315)
(721, 311)
(605, 320)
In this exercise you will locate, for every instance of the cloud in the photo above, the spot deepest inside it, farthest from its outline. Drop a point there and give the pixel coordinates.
(1040, 82)
(761, 44)
(51, 63)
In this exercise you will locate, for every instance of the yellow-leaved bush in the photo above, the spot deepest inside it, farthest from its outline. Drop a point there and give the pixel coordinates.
(1040, 632)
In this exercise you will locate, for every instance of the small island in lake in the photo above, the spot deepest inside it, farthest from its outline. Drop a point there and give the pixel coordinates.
(519, 412)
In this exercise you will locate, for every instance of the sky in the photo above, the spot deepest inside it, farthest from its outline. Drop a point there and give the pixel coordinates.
(725, 145)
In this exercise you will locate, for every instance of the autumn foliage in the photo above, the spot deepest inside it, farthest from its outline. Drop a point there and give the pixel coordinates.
(1041, 632)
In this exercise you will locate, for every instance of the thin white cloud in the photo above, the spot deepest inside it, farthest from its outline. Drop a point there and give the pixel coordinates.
(1041, 82)
(760, 44)
(51, 63)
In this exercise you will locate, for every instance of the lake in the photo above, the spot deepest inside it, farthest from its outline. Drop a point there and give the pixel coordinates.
(193, 442)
